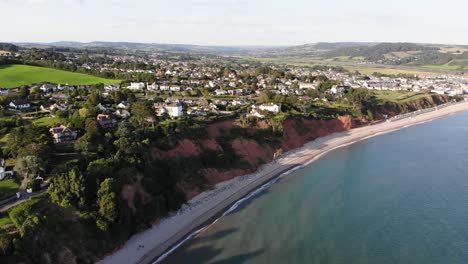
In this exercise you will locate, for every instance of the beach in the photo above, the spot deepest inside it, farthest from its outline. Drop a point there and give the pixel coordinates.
(145, 247)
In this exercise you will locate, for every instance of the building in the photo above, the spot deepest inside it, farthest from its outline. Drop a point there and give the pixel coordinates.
(4, 91)
(174, 110)
(20, 105)
(136, 86)
(274, 108)
(106, 121)
(111, 88)
(152, 87)
(4, 171)
(63, 134)
(48, 88)
(122, 113)
(304, 85)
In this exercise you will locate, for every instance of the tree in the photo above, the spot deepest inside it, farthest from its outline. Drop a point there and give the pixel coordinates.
(107, 203)
(142, 113)
(30, 166)
(21, 137)
(68, 189)
(5, 244)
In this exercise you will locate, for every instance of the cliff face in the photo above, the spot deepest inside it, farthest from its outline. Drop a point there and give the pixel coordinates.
(299, 131)
(392, 109)
(235, 150)
(247, 146)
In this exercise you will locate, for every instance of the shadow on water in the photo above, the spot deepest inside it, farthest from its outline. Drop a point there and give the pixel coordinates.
(207, 254)
(216, 236)
(241, 258)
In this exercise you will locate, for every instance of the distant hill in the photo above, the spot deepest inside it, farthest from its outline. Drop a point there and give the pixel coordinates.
(221, 50)
(378, 51)
(8, 47)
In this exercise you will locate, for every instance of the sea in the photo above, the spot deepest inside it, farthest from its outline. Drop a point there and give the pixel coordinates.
(400, 197)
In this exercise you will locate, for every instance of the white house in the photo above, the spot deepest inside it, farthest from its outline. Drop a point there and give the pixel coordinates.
(152, 87)
(4, 172)
(220, 92)
(175, 88)
(123, 105)
(174, 110)
(48, 88)
(136, 86)
(274, 108)
(4, 91)
(111, 88)
(19, 105)
(122, 113)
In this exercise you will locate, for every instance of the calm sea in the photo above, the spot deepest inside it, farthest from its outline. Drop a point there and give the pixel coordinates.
(401, 197)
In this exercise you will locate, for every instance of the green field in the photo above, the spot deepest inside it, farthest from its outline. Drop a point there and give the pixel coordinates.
(399, 97)
(16, 75)
(8, 188)
(48, 121)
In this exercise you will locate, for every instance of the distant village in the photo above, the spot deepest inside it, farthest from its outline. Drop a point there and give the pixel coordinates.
(202, 88)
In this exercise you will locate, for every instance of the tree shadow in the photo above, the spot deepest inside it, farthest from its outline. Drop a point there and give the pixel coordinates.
(215, 236)
(207, 254)
(241, 258)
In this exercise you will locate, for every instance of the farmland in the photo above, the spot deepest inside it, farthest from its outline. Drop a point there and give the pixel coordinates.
(16, 75)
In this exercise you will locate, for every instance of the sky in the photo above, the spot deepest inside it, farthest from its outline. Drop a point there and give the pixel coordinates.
(234, 22)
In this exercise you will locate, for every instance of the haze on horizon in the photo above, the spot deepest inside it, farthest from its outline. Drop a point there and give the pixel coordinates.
(234, 22)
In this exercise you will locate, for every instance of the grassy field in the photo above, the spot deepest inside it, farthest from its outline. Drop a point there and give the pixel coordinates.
(48, 121)
(16, 75)
(8, 188)
(399, 97)
(451, 65)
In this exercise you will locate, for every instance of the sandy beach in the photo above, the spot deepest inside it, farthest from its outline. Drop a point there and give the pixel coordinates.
(154, 242)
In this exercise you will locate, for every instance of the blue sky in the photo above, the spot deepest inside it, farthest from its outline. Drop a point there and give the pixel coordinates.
(234, 22)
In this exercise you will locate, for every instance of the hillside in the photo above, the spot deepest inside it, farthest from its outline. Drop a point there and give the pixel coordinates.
(16, 75)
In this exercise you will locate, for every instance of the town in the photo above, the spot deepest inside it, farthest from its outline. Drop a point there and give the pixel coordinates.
(80, 145)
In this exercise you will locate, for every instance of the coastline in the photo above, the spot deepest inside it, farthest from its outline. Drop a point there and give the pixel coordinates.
(179, 226)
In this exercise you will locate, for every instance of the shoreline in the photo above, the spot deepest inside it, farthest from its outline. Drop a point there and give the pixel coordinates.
(199, 213)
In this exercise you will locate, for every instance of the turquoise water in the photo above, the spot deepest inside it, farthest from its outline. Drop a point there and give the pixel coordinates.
(401, 197)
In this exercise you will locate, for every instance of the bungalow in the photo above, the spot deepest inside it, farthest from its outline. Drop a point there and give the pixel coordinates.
(304, 85)
(48, 88)
(111, 88)
(19, 105)
(164, 88)
(61, 107)
(175, 88)
(122, 113)
(63, 134)
(220, 92)
(4, 91)
(105, 121)
(123, 105)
